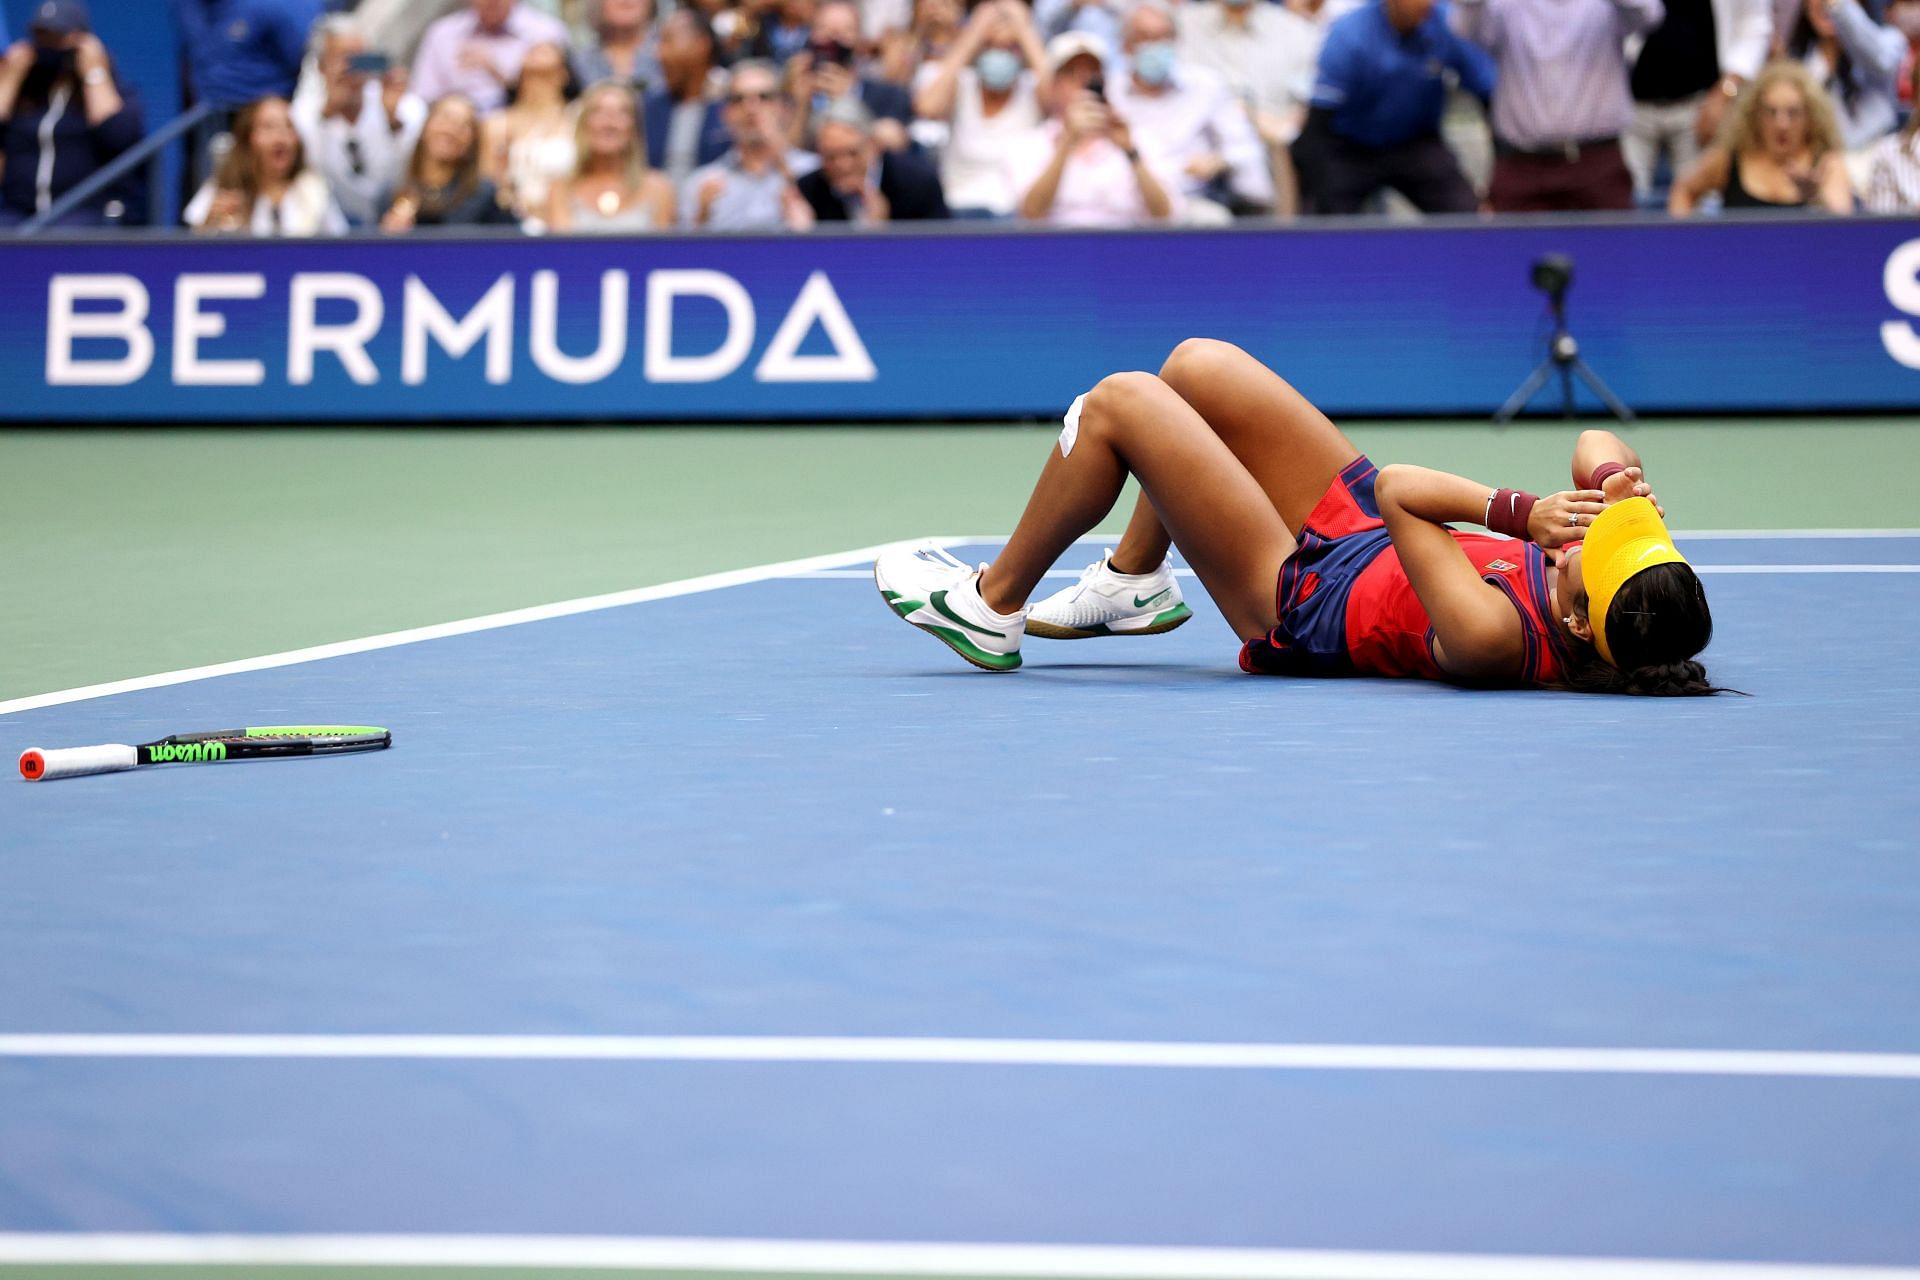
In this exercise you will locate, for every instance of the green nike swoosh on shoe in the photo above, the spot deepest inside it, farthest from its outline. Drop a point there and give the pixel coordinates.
(1140, 603)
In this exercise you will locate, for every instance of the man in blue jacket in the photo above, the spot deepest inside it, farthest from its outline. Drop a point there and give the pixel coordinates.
(685, 125)
(239, 51)
(1374, 119)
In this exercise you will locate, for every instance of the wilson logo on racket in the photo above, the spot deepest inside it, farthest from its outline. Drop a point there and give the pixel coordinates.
(187, 753)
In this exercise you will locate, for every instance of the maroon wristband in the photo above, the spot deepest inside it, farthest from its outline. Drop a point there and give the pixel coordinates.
(1508, 510)
(1604, 472)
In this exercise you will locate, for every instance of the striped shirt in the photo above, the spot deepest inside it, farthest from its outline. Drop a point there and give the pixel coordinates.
(1893, 175)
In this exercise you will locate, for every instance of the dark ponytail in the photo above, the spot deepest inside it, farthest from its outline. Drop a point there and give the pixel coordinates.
(1657, 622)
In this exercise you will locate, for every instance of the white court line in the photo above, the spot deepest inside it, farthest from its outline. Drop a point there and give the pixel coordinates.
(864, 1257)
(466, 626)
(735, 578)
(962, 1052)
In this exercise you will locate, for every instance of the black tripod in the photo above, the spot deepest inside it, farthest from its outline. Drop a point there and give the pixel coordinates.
(1553, 275)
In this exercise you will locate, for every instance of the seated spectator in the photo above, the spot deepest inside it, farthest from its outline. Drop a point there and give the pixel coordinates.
(1264, 52)
(625, 45)
(686, 123)
(1082, 169)
(860, 182)
(1688, 72)
(242, 51)
(989, 86)
(264, 186)
(1561, 100)
(1187, 118)
(1856, 61)
(529, 146)
(1378, 98)
(444, 186)
(360, 132)
(826, 71)
(1780, 149)
(1893, 168)
(63, 117)
(750, 188)
(478, 51)
(613, 188)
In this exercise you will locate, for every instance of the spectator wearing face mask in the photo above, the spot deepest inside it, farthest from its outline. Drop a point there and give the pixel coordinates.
(686, 122)
(827, 71)
(1856, 60)
(362, 126)
(1264, 52)
(989, 87)
(750, 188)
(1083, 168)
(63, 117)
(1187, 117)
(860, 182)
(1378, 98)
(240, 51)
(477, 51)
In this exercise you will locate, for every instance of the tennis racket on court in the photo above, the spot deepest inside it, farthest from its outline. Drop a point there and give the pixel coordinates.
(38, 764)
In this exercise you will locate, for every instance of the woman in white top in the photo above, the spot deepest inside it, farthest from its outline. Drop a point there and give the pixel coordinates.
(1083, 169)
(613, 189)
(529, 146)
(263, 186)
(989, 85)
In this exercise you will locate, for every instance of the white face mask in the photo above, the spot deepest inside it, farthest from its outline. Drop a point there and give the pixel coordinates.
(998, 69)
(1153, 63)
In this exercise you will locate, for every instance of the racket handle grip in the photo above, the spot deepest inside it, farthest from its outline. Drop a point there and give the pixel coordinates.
(37, 765)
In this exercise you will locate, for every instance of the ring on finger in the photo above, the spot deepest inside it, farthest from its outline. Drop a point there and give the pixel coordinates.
(1573, 517)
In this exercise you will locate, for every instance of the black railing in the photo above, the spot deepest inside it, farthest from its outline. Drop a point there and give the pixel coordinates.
(148, 152)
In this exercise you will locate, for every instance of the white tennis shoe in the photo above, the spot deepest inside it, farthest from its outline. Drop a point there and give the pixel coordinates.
(1106, 603)
(936, 593)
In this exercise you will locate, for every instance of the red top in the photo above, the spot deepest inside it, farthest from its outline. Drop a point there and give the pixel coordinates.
(1390, 634)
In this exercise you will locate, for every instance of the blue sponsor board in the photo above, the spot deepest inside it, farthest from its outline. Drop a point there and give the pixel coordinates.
(1715, 316)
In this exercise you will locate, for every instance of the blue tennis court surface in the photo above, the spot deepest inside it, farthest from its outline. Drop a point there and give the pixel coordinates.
(772, 813)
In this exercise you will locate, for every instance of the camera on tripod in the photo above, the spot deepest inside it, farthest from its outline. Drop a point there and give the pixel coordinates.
(1552, 274)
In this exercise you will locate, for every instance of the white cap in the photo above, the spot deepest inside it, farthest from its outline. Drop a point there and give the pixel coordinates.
(1068, 45)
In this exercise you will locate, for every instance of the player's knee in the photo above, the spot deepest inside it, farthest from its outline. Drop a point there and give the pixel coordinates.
(1115, 399)
(1196, 359)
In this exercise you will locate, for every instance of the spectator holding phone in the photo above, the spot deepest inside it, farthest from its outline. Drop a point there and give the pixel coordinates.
(625, 45)
(363, 126)
(827, 71)
(989, 86)
(264, 186)
(478, 51)
(1083, 169)
(63, 117)
(444, 186)
(861, 183)
(751, 187)
(1780, 149)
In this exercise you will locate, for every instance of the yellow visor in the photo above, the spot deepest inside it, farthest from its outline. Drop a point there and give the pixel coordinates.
(1625, 539)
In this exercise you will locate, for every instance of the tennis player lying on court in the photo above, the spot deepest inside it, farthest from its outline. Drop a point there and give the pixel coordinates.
(1323, 564)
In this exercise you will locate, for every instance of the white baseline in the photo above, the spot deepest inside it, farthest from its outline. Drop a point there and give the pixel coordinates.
(888, 1258)
(965, 1052)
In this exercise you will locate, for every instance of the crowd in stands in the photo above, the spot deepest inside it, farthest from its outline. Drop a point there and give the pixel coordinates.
(607, 116)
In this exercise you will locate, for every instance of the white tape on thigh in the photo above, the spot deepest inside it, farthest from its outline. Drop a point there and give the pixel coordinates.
(1071, 431)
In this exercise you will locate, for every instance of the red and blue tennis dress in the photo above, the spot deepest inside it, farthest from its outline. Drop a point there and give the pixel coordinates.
(1346, 607)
